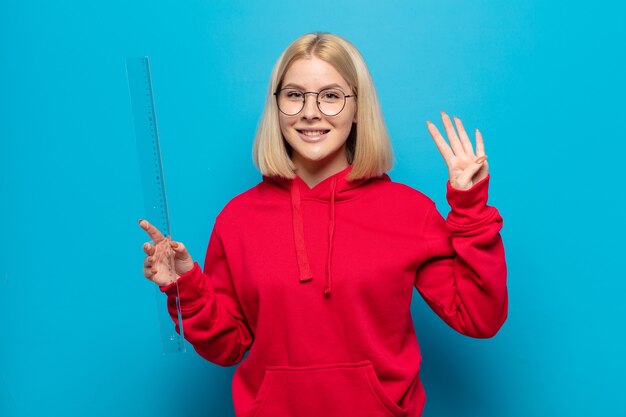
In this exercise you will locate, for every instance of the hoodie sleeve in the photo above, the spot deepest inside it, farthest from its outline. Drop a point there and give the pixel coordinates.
(464, 276)
(213, 321)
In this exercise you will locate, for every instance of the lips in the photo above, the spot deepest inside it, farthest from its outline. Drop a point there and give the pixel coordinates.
(313, 133)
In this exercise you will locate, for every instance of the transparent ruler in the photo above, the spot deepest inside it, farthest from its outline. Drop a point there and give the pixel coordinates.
(149, 153)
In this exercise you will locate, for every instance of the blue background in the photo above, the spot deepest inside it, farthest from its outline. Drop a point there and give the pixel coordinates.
(544, 81)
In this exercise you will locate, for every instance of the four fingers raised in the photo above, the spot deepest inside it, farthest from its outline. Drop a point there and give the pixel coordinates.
(458, 145)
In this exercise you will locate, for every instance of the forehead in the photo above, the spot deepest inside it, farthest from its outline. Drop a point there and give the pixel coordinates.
(312, 73)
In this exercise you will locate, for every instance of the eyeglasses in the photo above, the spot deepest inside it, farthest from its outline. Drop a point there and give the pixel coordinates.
(330, 101)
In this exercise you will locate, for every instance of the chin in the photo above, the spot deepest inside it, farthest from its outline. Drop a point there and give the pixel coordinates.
(311, 154)
(316, 157)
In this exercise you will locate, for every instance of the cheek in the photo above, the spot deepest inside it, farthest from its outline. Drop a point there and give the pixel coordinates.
(281, 123)
(350, 116)
(346, 122)
(285, 123)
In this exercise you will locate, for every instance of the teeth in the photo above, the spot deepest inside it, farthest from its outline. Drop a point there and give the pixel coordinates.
(313, 132)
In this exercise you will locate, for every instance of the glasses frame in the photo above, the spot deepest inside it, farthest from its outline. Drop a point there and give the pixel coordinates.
(317, 101)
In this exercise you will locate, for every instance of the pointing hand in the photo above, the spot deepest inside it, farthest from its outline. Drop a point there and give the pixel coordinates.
(166, 260)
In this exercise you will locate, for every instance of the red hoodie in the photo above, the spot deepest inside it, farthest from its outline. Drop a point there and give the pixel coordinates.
(317, 284)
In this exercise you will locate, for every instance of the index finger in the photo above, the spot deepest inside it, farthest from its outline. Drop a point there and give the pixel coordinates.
(152, 231)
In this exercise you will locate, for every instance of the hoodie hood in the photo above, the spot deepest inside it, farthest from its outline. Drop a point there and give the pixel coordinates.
(332, 189)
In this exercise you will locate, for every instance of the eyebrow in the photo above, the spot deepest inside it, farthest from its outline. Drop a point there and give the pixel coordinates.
(293, 85)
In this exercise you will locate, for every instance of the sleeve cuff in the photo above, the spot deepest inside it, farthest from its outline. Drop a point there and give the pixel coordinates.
(191, 285)
(469, 206)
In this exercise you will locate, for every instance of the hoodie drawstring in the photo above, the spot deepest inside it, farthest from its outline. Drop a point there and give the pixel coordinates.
(331, 232)
(298, 235)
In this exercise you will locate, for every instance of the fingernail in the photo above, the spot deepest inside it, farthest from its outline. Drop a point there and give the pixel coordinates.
(481, 159)
(174, 244)
(428, 123)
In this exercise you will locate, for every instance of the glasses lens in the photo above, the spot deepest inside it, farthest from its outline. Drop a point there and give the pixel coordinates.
(331, 101)
(290, 101)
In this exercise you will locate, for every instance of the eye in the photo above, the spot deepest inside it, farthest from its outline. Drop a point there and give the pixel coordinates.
(293, 94)
(331, 95)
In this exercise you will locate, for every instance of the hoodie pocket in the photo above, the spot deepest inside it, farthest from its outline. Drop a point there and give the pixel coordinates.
(340, 389)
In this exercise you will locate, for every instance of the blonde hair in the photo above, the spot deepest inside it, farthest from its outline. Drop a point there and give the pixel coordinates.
(368, 148)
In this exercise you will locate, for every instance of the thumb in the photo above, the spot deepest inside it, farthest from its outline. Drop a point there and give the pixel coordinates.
(464, 180)
(180, 250)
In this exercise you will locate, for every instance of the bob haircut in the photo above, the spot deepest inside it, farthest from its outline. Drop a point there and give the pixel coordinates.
(368, 148)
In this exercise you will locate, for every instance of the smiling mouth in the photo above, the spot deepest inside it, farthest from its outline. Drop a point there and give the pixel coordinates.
(313, 133)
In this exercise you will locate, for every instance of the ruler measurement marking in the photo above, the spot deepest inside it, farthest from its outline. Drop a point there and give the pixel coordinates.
(146, 130)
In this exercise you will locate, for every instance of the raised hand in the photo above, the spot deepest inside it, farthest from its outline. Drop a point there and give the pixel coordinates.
(465, 168)
(166, 260)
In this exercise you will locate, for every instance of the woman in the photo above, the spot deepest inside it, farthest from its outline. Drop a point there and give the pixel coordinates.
(313, 269)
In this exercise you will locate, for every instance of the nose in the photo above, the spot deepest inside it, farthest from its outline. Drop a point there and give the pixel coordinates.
(310, 110)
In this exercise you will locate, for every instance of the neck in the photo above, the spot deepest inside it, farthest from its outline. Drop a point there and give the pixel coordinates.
(312, 173)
